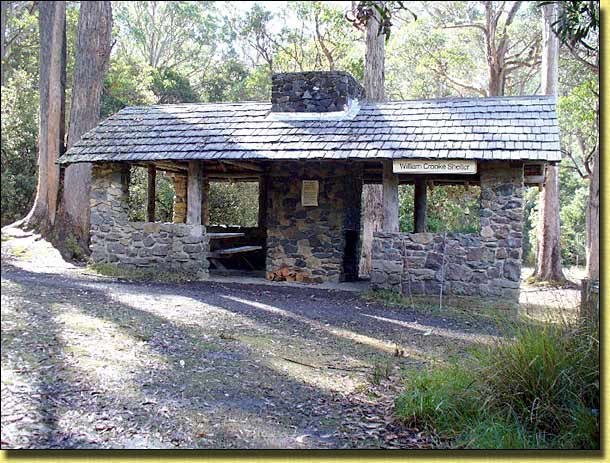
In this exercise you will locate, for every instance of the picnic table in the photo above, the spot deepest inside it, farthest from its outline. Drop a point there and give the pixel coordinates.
(215, 256)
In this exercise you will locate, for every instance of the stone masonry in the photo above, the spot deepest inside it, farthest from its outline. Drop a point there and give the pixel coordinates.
(487, 264)
(145, 245)
(312, 239)
(313, 91)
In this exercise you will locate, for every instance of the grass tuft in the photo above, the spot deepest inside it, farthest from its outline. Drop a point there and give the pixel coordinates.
(539, 389)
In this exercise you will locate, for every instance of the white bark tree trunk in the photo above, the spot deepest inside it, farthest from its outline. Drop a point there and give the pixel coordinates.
(548, 259)
(593, 215)
(51, 20)
(374, 84)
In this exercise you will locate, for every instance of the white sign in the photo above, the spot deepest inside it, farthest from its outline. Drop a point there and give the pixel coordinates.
(309, 192)
(436, 166)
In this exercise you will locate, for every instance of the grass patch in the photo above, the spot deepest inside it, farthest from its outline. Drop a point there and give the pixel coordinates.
(461, 308)
(20, 251)
(135, 274)
(539, 389)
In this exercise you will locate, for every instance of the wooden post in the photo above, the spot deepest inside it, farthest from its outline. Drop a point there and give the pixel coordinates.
(151, 194)
(420, 205)
(390, 198)
(262, 202)
(194, 193)
(205, 202)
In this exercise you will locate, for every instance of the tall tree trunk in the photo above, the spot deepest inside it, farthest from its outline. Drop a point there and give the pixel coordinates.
(51, 20)
(548, 258)
(91, 62)
(3, 12)
(374, 83)
(593, 213)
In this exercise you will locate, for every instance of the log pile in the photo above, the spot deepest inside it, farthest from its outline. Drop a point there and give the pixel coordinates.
(287, 274)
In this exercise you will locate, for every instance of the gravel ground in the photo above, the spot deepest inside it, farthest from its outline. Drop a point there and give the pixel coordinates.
(94, 362)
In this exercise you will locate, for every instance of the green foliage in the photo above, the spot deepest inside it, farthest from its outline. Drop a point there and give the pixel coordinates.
(452, 208)
(18, 145)
(138, 188)
(539, 389)
(170, 87)
(234, 203)
(127, 83)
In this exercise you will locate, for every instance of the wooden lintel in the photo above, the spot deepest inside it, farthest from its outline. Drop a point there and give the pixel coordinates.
(232, 175)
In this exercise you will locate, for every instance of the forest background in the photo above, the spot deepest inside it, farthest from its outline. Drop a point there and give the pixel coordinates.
(181, 52)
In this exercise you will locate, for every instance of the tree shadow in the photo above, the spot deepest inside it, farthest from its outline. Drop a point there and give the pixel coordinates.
(202, 342)
(163, 400)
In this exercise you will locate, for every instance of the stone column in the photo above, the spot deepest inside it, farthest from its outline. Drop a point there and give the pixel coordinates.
(502, 225)
(179, 181)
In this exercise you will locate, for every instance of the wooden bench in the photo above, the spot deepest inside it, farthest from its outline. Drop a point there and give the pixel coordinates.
(214, 256)
(219, 236)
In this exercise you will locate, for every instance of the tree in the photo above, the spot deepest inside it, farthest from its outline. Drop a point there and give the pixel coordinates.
(374, 78)
(578, 30)
(18, 26)
(91, 61)
(548, 258)
(506, 52)
(52, 22)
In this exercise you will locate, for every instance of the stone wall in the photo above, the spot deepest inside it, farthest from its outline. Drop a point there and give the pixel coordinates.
(487, 264)
(312, 239)
(116, 240)
(316, 91)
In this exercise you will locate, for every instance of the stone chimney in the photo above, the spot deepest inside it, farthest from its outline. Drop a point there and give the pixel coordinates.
(314, 92)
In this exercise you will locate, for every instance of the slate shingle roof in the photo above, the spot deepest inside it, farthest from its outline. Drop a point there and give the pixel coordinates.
(478, 128)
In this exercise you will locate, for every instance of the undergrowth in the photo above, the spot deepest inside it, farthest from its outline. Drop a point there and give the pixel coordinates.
(538, 389)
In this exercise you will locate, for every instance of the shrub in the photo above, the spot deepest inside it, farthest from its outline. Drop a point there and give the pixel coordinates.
(539, 389)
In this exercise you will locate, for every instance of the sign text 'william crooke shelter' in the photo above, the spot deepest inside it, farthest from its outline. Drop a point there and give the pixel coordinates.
(449, 166)
(311, 149)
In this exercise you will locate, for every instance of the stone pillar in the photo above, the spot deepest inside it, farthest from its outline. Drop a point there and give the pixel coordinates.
(502, 224)
(179, 181)
(108, 204)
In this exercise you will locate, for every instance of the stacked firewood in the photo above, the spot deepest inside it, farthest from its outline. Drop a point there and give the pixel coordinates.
(287, 274)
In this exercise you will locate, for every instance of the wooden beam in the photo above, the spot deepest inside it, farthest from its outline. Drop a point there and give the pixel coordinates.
(262, 202)
(205, 202)
(390, 198)
(151, 193)
(245, 165)
(194, 193)
(420, 204)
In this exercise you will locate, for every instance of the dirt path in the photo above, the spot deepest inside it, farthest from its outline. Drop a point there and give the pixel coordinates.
(91, 362)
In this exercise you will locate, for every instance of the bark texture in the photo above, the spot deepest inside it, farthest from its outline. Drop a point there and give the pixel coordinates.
(3, 13)
(91, 62)
(52, 21)
(548, 258)
(374, 81)
(593, 216)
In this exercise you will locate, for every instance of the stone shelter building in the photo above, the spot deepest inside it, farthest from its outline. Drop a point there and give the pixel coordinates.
(311, 149)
